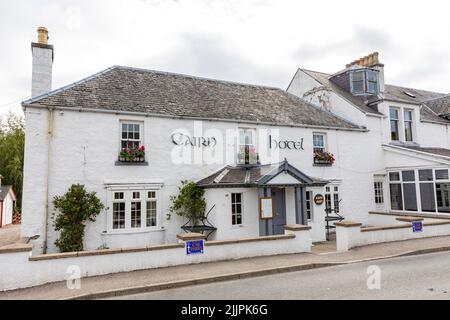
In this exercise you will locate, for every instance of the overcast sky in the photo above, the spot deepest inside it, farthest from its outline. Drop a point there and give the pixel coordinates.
(251, 41)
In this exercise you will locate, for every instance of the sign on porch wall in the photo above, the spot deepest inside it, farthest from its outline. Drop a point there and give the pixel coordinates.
(417, 226)
(319, 199)
(194, 247)
(266, 210)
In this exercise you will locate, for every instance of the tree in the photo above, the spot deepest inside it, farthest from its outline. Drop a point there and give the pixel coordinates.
(12, 144)
(76, 207)
(190, 202)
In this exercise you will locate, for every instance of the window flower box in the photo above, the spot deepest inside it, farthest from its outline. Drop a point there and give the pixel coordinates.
(324, 158)
(248, 156)
(132, 154)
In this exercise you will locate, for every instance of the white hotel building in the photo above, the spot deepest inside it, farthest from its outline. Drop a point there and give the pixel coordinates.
(391, 147)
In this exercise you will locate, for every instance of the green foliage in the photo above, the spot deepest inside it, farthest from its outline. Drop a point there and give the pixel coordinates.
(190, 202)
(12, 143)
(76, 207)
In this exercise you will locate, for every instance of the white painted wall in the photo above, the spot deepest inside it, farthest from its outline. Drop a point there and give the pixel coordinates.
(34, 273)
(84, 148)
(351, 237)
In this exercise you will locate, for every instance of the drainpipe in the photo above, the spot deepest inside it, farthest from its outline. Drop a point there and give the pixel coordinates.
(49, 140)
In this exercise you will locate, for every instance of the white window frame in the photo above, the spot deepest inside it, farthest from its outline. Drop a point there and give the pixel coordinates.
(401, 123)
(333, 190)
(141, 132)
(378, 188)
(311, 205)
(128, 198)
(417, 183)
(242, 209)
(324, 137)
(243, 145)
(411, 122)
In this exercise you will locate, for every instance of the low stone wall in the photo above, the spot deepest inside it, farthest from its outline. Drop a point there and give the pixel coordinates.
(352, 234)
(19, 269)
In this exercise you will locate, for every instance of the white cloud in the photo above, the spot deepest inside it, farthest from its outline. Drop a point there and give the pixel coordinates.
(240, 40)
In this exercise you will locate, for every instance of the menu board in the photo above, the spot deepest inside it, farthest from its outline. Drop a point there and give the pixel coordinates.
(266, 208)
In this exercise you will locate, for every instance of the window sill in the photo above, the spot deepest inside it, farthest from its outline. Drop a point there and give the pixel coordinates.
(120, 163)
(128, 231)
(322, 164)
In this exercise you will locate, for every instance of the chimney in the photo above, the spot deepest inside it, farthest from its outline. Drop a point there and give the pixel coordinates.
(42, 52)
(370, 61)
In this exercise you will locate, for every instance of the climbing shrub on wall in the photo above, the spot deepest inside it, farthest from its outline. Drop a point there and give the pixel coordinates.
(75, 208)
(190, 202)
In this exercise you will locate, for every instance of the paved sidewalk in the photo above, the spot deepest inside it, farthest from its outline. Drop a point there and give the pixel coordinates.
(163, 278)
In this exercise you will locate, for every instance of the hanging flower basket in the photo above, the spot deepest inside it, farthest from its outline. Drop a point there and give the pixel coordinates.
(132, 154)
(248, 155)
(324, 157)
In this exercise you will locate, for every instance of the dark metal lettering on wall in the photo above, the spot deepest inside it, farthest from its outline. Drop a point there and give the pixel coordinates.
(286, 144)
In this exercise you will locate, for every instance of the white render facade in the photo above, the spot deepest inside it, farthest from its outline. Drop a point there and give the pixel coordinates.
(67, 144)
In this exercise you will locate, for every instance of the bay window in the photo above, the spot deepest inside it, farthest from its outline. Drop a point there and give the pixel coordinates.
(425, 190)
(134, 210)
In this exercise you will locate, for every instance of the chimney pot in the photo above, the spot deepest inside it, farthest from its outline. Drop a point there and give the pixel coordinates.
(42, 35)
(375, 58)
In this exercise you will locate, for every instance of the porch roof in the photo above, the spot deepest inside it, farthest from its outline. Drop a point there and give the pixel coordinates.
(279, 174)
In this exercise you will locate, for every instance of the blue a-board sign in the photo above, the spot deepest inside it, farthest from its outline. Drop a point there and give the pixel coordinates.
(417, 226)
(194, 247)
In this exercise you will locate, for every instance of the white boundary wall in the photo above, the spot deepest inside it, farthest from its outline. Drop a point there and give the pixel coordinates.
(21, 269)
(350, 235)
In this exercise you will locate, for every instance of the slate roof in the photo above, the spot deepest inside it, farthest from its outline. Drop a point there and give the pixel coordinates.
(358, 102)
(4, 190)
(252, 176)
(435, 151)
(440, 105)
(435, 101)
(125, 89)
(397, 93)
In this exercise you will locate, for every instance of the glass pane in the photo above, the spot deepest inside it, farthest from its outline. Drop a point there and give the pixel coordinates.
(409, 194)
(394, 130)
(396, 197)
(408, 131)
(318, 141)
(426, 175)
(151, 194)
(443, 197)
(358, 86)
(394, 176)
(442, 174)
(407, 116)
(124, 127)
(358, 76)
(135, 214)
(393, 113)
(427, 197)
(408, 176)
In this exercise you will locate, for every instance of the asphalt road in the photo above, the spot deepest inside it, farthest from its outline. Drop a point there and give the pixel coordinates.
(416, 277)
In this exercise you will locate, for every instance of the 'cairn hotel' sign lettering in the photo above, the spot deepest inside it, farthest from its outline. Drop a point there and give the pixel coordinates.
(285, 144)
(181, 139)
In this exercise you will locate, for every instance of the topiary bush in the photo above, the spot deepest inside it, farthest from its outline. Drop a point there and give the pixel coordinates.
(75, 208)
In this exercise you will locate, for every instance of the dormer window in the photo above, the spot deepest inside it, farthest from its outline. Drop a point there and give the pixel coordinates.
(364, 81)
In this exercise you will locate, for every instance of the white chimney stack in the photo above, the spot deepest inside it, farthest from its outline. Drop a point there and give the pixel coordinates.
(41, 80)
